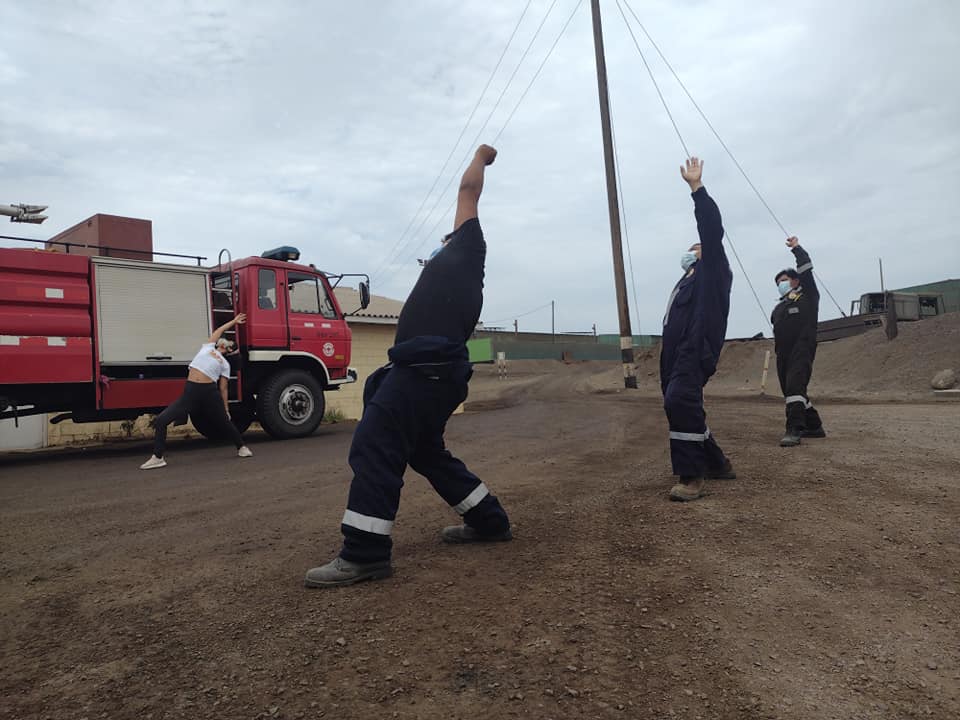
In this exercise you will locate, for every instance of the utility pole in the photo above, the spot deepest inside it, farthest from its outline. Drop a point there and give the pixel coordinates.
(623, 309)
(882, 288)
(553, 324)
(516, 329)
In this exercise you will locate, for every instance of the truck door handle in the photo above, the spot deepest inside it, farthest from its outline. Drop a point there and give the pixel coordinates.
(159, 357)
(295, 337)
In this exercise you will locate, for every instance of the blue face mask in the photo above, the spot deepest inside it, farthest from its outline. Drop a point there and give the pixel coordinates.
(784, 287)
(688, 259)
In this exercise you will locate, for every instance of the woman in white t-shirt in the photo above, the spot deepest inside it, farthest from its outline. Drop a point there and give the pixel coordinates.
(209, 371)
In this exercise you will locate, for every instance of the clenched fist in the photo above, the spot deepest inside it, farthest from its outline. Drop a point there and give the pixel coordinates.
(487, 154)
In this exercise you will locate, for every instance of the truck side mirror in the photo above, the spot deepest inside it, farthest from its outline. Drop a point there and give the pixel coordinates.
(364, 295)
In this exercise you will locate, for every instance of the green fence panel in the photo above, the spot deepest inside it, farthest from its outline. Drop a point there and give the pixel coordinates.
(481, 350)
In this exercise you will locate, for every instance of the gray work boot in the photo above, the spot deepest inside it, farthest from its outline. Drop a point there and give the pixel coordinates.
(687, 489)
(339, 572)
(725, 473)
(791, 439)
(459, 534)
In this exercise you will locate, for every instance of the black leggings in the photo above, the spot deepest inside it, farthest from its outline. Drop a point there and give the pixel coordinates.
(197, 398)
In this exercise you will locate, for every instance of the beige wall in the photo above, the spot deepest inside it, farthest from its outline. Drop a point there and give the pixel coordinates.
(71, 433)
(370, 345)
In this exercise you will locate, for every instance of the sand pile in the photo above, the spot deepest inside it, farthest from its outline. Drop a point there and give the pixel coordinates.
(866, 364)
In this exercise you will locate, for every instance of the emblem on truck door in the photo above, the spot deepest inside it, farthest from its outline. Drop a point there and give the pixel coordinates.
(328, 349)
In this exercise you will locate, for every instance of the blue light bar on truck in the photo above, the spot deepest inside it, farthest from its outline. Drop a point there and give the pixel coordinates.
(285, 253)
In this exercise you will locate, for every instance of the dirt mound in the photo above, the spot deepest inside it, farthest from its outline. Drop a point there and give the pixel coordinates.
(864, 364)
(872, 364)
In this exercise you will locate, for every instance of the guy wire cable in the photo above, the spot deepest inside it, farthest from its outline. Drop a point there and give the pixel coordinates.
(763, 310)
(717, 136)
(402, 252)
(456, 144)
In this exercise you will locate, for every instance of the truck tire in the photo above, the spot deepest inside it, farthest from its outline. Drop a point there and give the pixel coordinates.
(290, 404)
(241, 416)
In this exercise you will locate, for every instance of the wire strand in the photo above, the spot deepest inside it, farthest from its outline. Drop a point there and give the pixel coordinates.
(714, 131)
(736, 255)
(456, 144)
(763, 310)
(523, 95)
(517, 317)
(702, 115)
(656, 85)
(539, 69)
(402, 252)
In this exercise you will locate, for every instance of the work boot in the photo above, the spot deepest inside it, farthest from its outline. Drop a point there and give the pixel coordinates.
(244, 452)
(791, 439)
(154, 462)
(460, 534)
(818, 433)
(687, 489)
(339, 572)
(724, 473)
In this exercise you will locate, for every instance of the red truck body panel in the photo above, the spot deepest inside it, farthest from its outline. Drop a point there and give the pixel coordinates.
(140, 393)
(46, 330)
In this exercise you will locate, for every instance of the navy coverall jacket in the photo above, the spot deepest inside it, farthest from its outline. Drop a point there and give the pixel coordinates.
(696, 321)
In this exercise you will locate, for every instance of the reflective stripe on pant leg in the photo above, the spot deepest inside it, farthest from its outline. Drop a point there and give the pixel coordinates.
(367, 523)
(690, 437)
(472, 500)
(800, 399)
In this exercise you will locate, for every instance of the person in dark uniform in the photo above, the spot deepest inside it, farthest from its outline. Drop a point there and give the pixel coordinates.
(694, 329)
(408, 401)
(794, 322)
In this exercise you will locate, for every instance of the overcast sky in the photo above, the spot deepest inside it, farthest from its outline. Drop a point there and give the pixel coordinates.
(322, 125)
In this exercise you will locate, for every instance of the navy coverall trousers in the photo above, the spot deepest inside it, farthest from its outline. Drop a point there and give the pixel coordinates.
(406, 408)
(693, 449)
(694, 328)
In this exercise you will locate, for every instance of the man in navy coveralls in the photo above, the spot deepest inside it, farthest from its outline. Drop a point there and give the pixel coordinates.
(408, 401)
(694, 328)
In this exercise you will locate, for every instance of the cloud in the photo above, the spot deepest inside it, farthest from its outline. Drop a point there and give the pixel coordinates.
(324, 125)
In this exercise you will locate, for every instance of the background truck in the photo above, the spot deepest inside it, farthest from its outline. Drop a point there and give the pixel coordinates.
(871, 309)
(107, 338)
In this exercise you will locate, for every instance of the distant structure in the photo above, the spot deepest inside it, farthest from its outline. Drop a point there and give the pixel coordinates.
(949, 289)
(126, 237)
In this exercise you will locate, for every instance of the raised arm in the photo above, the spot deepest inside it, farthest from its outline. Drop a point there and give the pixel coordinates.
(471, 185)
(709, 222)
(216, 334)
(804, 267)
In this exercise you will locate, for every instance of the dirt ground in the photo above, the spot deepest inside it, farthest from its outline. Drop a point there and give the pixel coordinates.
(823, 583)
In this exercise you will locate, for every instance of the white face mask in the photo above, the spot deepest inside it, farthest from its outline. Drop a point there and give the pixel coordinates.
(784, 287)
(688, 259)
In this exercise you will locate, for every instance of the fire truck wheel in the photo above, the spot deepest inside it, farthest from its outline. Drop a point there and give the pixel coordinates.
(290, 404)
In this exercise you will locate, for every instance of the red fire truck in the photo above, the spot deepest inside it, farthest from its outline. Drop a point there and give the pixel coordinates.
(107, 338)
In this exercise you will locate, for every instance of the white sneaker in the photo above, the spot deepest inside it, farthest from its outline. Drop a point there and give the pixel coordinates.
(244, 452)
(153, 462)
